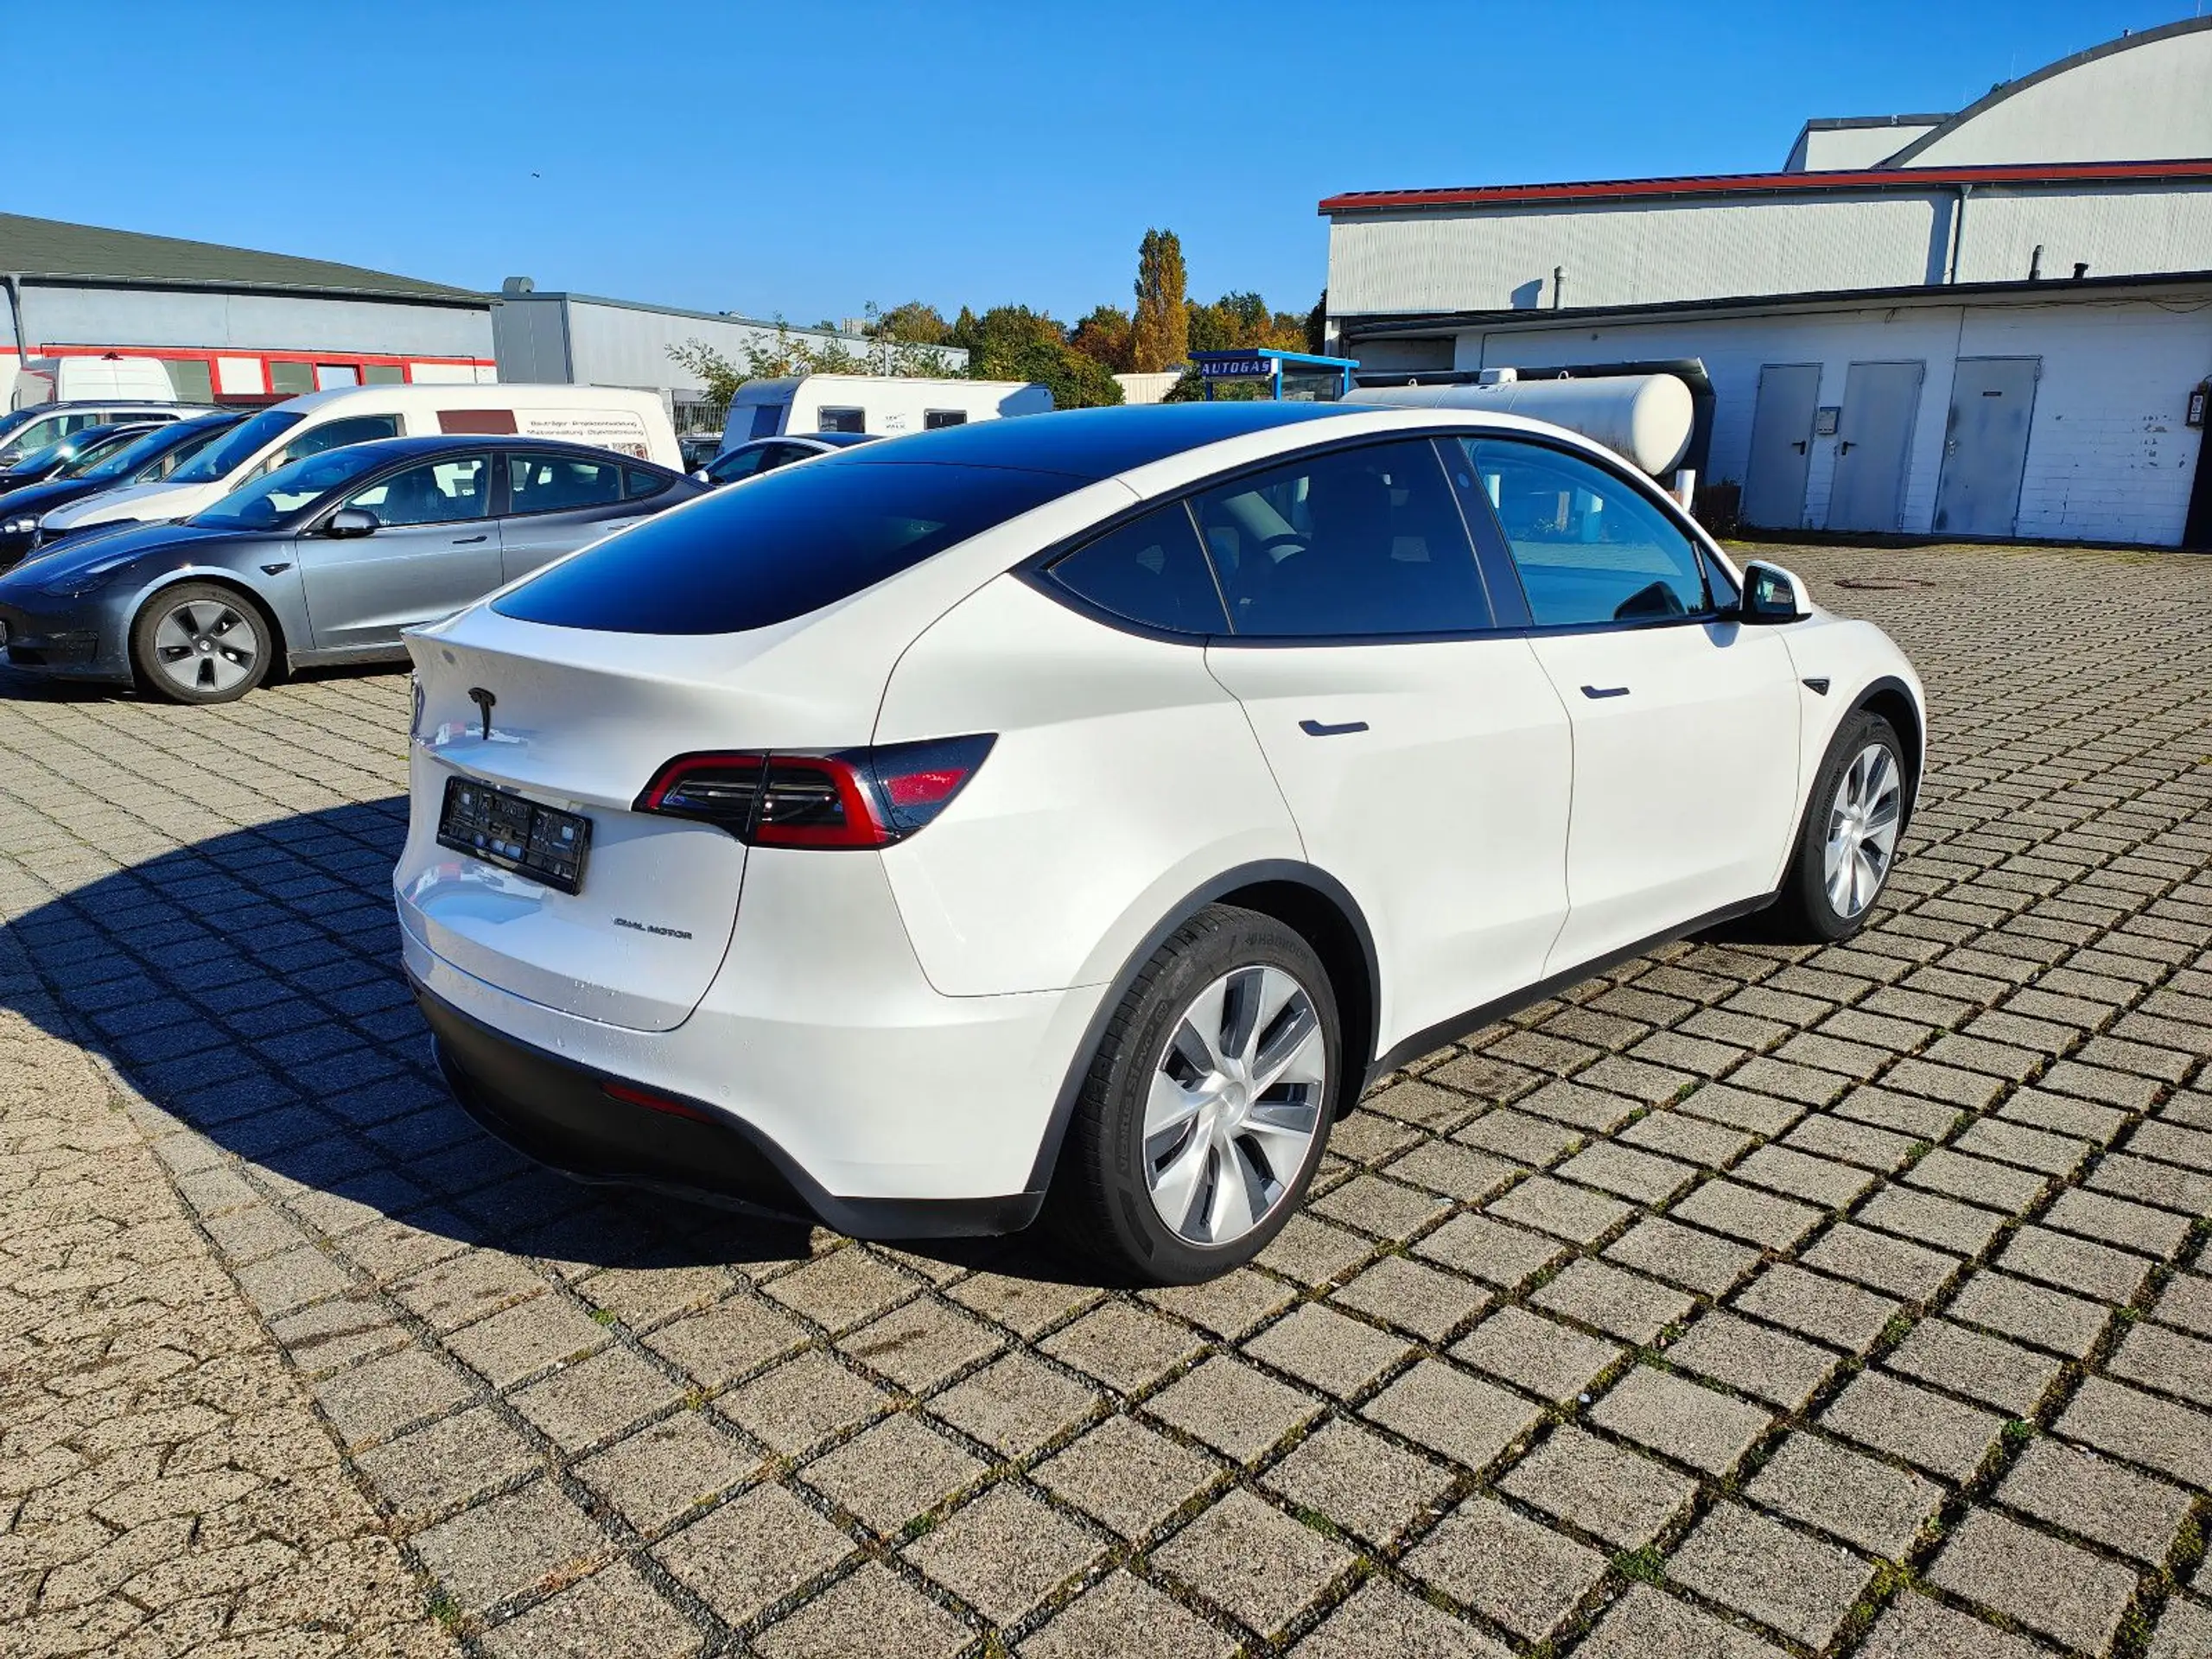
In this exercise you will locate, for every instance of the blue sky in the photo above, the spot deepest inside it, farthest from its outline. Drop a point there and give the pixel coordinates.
(807, 159)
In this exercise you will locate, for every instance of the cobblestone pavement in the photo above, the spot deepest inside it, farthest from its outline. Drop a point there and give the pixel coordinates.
(1741, 1301)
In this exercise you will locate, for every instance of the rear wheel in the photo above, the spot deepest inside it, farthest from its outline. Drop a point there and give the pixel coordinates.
(200, 643)
(1848, 841)
(1207, 1106)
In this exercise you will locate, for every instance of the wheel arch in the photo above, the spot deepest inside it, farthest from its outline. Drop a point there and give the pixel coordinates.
(1311, 904)
(1891, 699)
(280, 659)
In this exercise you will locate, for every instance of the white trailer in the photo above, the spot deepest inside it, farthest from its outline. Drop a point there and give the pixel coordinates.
(883, 405)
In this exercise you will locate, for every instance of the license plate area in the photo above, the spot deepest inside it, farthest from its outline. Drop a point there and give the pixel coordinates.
(541, 843)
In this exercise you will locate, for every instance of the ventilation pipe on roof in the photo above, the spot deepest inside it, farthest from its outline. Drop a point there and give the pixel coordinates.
(2035, 264)
(2080, 269)
(1557, 270)
(1958, 233)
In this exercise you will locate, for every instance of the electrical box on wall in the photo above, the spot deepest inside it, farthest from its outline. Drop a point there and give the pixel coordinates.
(2199, 395)
(1825, 419)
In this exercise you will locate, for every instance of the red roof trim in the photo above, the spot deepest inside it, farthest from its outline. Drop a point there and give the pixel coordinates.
(1723, 184)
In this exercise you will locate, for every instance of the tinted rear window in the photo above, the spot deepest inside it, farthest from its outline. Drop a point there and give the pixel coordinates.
(785, 543)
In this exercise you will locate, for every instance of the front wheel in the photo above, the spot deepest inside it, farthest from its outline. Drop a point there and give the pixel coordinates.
(200, 643)
(1207, 1106)
(1848, 842)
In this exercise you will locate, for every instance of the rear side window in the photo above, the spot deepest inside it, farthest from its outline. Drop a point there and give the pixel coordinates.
(1151, 570)
(789, 543)
(637, 483)
(1365, 540)
(560, 483)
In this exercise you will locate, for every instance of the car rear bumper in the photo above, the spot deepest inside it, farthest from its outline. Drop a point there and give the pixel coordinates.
(596, 1126)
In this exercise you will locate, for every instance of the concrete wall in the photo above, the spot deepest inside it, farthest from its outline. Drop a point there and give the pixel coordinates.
(1828, 150)
(2109, 458)
(590, 342)
(2147, 98)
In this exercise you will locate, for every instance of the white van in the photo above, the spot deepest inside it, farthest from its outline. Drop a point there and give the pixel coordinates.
(883, 405)
(108, 377)
(631, 422)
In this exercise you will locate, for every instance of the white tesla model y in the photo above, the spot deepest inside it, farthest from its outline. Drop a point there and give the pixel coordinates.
(1073, 814)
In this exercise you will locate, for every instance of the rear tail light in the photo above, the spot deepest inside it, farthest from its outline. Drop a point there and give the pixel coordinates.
(855, 798)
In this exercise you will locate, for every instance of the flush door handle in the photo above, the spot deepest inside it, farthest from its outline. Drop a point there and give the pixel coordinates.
(1321, 728)
(1602, 691)
(469, 541)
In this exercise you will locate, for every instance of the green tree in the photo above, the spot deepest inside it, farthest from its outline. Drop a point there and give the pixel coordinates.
(1012, 342)
(786, 353)
(922, 325)
(1160, 333)
(1105, 335)
(1317, 324)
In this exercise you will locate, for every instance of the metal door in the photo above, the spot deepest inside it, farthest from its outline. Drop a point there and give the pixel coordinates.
(1985, 444)
(1782, 444)
(1874, 445)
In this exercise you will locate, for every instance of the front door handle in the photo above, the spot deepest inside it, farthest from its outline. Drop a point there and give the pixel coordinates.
(1799, 446)
(1604, 690)
(1318, 728)
(470, 541)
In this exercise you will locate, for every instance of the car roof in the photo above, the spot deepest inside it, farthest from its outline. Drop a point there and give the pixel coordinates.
(837, 440)
(442, 443)
(1090, 443)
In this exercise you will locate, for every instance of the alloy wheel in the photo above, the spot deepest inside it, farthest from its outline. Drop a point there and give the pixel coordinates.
(205, 646)
(1862, 838)
(1234, 1103)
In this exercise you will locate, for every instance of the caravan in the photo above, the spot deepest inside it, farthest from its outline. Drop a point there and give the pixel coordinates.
(882, 405)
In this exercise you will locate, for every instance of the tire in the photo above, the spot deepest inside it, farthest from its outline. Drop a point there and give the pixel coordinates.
(1175, 1168)
(1856, 810)
(200, 642)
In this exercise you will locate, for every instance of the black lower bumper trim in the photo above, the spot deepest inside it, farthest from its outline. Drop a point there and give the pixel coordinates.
(557, 1113)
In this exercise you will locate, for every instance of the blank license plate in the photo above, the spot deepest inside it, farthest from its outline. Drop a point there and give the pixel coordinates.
(541, 843)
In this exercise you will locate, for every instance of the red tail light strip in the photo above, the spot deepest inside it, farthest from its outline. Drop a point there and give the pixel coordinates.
(854, 798)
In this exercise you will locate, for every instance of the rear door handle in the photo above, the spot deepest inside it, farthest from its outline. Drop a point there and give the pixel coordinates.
(1318, 728)
(1604, 690)
(469, 541)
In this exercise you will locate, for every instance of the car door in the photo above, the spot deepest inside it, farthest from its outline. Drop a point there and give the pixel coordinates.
(1421, 750)
(556, 502)
(435, 549)
(1685, 722)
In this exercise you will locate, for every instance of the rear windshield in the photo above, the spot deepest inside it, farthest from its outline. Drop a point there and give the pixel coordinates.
(782, 545)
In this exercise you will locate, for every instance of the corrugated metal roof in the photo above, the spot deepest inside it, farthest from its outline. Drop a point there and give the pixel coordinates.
(1728, 184)
(55, 248)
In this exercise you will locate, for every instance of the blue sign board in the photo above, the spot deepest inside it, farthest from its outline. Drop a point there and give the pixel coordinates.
(1221, 366)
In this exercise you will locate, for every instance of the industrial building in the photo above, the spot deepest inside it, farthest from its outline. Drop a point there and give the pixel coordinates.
(590, 340)
(1995, 323)
(228, 323)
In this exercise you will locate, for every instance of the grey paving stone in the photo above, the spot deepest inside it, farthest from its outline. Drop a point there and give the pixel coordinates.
(1497, 1255)
(2118, 1221)
(1640, 1177)
(374, 1400)
(446, 1464)
(1744, 1212)
(1796, 1585)
(1924, 1428)
(1390, 1209)
(1445, 1168)
(1980, 1366)
(511, 1544)
(1854, 1497)
(1234, 1406)
(2185, 1630)
(1233, 1306)
(1741, 1108)
(1383, 1622)
(1333, 1352)
(1025, 1303)
(2097, 1498)
(1911, 1273)
(1413, 1296)
(750, 1552)
(2186, 1303)
(1526, 1140)
(1644, 1622)
(1552, 1206)
(1811, 1303)
(869, 1611)
(727, 1341)
(1541, 1355)
(614, 1614)
(1129, 1475)
(1916, 1626)
(595, 1398)
(1443, 1407)
(1125, 1617)
(1253, 1559)
(2030, 1312)
(2074, 1264)
(1123, 1344)
(1359, 1480)
(1004, 1552)
(1015, 1404)
(2047, 1585)
(2167, 1361)
(1625, 1304)
(1707, 1430)
(1526, 1577)
(1693, 1139)
(1683, 1255)
(886, 1476)
(1622, 1498)
(1948, 1224)
(1784, 1370)
(1819, 1181)
(2174, 1439)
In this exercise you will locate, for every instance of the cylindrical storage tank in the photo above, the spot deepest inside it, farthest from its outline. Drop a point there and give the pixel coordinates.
(1644, 418)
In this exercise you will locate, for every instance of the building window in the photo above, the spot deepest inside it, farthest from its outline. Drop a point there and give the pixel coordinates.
(192, 379)
(842, 420)
(330, 375)
(933, 418)
(291, 379)
(383, 374)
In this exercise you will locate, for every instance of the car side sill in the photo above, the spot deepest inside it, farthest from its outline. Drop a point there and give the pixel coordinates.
(1488, 1014)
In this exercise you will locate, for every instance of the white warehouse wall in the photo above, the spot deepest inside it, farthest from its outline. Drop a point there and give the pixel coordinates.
(1828, 149)
(2109, 458)
(2116, 230)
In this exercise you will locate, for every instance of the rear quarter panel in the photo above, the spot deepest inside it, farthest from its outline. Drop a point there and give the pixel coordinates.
(1123, 777)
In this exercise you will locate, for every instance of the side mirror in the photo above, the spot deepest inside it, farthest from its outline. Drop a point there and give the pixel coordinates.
(1770, 594)
(702, 475)
(350, 521)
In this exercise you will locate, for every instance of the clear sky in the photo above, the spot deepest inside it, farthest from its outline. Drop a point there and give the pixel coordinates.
(804, 159)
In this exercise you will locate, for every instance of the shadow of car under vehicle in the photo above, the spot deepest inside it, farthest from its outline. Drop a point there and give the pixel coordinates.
(249, 986)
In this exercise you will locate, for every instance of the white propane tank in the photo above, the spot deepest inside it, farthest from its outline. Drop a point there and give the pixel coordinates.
(1644, 418)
